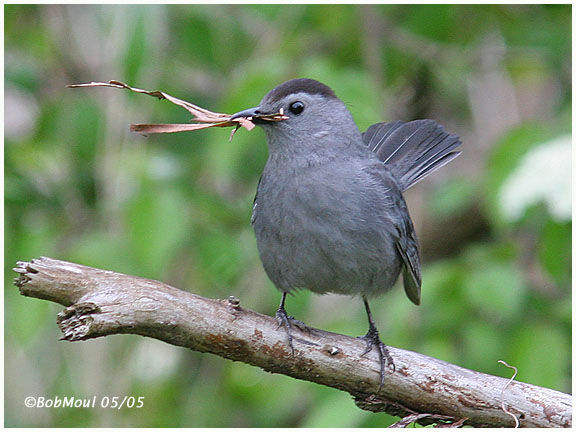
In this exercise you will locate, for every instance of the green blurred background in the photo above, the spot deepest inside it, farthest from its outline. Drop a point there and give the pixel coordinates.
(494, 225)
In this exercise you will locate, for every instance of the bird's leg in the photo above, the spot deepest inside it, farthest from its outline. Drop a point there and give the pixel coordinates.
(284, 320)
(372, 338)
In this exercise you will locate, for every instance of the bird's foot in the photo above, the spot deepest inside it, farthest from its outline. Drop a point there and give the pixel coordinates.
(286, 321)
(372, 339)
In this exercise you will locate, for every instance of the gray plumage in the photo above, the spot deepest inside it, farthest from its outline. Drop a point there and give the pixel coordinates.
(329, 215)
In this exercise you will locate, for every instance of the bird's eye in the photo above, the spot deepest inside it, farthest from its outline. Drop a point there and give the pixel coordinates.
(296, 107)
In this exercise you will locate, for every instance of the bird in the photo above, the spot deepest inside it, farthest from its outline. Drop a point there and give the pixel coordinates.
(329, 215)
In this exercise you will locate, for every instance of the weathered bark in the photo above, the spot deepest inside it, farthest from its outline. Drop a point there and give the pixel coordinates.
(100, 303)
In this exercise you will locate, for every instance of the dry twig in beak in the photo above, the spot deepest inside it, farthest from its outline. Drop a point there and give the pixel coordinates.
(203, 117)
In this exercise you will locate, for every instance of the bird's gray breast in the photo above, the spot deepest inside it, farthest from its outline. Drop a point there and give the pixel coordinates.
(327, 228)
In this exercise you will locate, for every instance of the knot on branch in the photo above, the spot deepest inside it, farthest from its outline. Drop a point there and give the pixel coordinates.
(76, 321)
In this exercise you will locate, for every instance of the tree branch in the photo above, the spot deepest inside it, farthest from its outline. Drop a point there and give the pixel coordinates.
(100, 303)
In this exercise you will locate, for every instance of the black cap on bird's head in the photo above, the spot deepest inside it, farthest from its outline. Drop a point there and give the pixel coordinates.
(299, 85)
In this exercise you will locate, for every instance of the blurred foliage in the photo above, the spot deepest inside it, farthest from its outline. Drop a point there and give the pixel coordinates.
(80, 187)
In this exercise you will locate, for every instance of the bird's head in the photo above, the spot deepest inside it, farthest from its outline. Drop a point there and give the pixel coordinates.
(302, 113)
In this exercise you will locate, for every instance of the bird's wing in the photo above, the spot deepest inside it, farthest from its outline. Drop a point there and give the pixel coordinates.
(412, 279)
(406, 241)
(407, 247)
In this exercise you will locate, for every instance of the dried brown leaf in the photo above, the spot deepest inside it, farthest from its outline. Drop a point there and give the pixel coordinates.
(157, 128)
(204, 117)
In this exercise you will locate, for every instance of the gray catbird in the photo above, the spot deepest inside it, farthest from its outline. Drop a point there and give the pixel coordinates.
(329, 214)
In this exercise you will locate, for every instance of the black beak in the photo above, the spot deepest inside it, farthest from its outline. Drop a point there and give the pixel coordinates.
(250, 112)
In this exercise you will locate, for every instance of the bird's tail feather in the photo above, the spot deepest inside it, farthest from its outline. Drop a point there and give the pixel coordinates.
(413, 149)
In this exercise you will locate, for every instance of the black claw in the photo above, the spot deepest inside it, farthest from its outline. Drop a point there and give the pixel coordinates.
(372, 338)
(285, 321)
